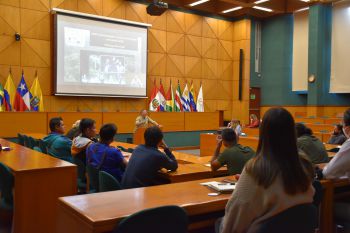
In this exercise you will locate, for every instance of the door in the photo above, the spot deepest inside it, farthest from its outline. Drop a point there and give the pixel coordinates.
(254, 101)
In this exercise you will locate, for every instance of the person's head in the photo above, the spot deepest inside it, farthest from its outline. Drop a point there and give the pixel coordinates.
(229, 137)
(277, 154)
(338, 129)
(253, 117)
(87, 127)
(107, 133)
(153, 136)
(56, 125)
(302, 130)
(346, 123)
(144, 113)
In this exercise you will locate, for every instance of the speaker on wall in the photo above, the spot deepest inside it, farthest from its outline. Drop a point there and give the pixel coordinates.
(240, 80)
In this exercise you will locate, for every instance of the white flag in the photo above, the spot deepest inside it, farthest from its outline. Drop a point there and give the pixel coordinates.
(200, 100)
(185, 100)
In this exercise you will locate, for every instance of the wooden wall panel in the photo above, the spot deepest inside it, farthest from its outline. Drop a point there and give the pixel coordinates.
(201, 121)
(25, 122)
(71, 117)
(182, 46)
(171, 121)
(124, 121)
(323, 111)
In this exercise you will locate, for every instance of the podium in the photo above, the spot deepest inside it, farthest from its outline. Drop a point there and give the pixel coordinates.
(138, 137)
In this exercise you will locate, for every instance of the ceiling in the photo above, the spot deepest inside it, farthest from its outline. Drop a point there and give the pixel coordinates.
(217, 7)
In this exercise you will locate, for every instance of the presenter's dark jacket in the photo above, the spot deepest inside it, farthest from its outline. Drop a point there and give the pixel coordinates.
(144, 165)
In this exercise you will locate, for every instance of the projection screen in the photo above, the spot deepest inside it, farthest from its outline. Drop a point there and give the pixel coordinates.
(99, 56)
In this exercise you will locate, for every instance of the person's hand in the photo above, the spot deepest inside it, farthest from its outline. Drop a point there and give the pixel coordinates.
(160, 126)
(163, 145)
(237, 176)
(219, 141)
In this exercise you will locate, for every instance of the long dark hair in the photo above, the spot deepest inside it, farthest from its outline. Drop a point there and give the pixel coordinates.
(277, 154)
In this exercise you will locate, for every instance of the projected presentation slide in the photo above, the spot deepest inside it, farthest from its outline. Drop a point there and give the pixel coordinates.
(100, 58)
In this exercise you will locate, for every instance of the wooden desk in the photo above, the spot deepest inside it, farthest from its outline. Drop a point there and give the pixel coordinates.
(39, 181)
(251, 132)
(101, 212)
(330, 146)
(252, 142)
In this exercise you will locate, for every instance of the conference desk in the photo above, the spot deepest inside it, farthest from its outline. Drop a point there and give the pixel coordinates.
(39, 181)
(101, 212)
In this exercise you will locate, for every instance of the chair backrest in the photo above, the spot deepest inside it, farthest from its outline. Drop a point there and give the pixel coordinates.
(93, 178)
(6, 184)
(43, 146)
(26, 140)
(301, 218)
(33, 142)
(107, 182)
(36, 148)
(169, 219)
(20, 139)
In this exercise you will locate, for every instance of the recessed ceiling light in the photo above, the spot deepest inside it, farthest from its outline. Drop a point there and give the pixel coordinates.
(232, 9)
(262, 8)
(198, 2)
(305, 0)
(260, 1)
(302, 9)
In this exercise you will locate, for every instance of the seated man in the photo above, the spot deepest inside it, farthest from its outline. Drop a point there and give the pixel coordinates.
(234, 156)
(339, 166)
(338, 137)
(58, 144)
(104, 157)
(143, 120)
(146, 161)
(80, 143)
(310, 145)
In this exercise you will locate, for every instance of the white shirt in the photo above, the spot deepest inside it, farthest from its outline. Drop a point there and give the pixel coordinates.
(339, 166)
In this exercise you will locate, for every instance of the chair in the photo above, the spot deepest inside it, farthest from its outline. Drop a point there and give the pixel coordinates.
(36, 148)
(43, 146)
(301, 218)
(20, 139)
(6, 186)
(26, 141)
(107, 182)
(169, 219)
(93, 178)
(81, 174)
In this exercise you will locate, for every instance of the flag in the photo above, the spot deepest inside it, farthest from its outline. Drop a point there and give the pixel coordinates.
(200, 100)
(154, 101)
(185, 100)
(170, 99)
(2, 98)
(9, 93)
(192, 96)
(161, 97)
(177, 103)
(23, 96)
(36, 102)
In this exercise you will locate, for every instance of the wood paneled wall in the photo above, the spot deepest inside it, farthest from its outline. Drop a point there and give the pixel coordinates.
(313, 111)
(182, 46)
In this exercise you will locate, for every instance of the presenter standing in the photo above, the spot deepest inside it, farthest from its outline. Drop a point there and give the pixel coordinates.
(143, 120)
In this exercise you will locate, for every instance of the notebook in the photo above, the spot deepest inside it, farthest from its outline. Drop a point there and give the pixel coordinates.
(221, 187)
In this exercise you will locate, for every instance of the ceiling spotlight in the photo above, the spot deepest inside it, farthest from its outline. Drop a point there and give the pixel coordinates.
(305, 0)
(302, 9)
(260, 1)
(232, 9)
(262, 8)
(198, 2)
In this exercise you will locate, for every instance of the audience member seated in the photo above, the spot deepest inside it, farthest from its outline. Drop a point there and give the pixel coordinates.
(339, 166)
(104, 157)
(338, 137)
(59, 145)
(74, 131)
(276, 179)
(234, 156)
(87, 128)
(236, 126)
(254, 121)
(146, 161)
(143, 121)
(310, 145)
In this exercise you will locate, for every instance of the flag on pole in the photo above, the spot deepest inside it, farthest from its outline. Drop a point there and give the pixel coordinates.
(192, 95)
(36, 102)
(23, 96)
(177, 103)
(154, 102)
(200, 100)
(161, 97)
(170, 99)
(185, 100)
(2, 99)
(9, 92)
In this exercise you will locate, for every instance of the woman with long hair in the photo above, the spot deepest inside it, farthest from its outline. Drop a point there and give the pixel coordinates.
(276, 179)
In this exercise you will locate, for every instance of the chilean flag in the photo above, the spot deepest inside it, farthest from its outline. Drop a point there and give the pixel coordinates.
(23, 96)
